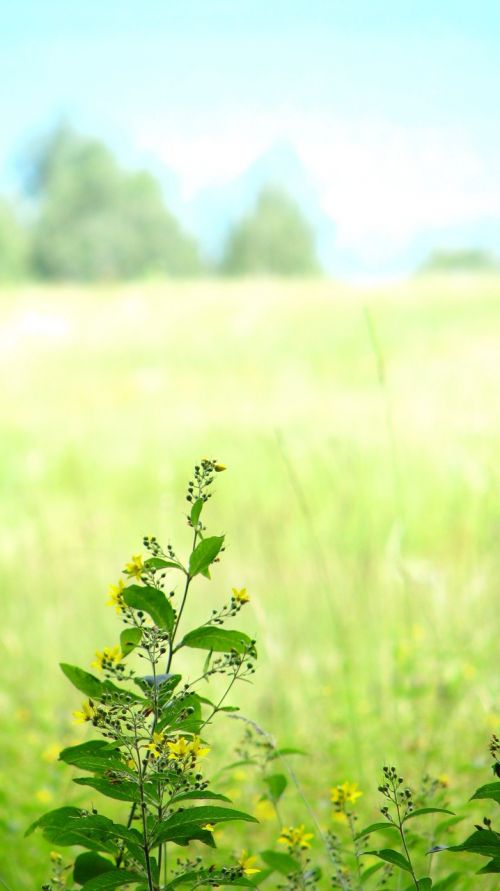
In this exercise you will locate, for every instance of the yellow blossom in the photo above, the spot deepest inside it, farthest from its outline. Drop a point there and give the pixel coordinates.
(198, 749)
(296, 837)
(115, 594)
(157, 745)
(339, 817)
(55, 857)
(87, 713)
(240, 596)
(135, 567)
(43, 796)
(346, 793)
(218, 469)
(208, 827)
(108, 657)
(178, 749)
(245, 863)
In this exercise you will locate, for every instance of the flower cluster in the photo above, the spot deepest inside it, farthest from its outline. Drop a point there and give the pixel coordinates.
(181, 750)
(115, 594)
(296, 838)
(108, 658)
(343, 794)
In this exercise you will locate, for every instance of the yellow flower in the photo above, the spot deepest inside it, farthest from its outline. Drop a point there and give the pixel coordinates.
(135, 567)
(339, 817)
(264, 810)
(115, 594)
(109, 657)
(55, 857)
(208, 827)
(87, 713)
(296, 837)
(245, 863)
(346, 793)
(43, 796)
(178, 749)
(240, 596)
(197, 748)
(218, 469)
(157, 745)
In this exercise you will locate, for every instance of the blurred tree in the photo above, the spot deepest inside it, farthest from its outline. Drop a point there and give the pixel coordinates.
(463, 260)
(97, 221)
(13, 245)
(274, 239)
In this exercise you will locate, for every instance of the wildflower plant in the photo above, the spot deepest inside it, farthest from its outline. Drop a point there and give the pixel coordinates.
(153, 727)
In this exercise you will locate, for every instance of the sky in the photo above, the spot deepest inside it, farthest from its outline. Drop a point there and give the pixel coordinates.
(391, 105)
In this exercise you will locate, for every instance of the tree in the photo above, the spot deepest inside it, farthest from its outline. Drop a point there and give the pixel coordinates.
(461, 260)
(97, 221)
(274, 239)
(13, 245)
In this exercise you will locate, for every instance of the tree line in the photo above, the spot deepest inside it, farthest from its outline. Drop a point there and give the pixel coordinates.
(86, 218)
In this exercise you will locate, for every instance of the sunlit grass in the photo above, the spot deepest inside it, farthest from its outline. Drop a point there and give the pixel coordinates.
(373, 565)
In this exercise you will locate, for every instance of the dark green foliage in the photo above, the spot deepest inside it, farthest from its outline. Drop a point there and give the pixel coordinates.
(274, 239)
(97, 221)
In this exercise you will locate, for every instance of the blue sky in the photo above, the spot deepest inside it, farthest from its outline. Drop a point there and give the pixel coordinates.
(391, 105)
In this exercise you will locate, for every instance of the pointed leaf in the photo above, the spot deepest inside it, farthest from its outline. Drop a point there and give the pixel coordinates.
(82, 680)
(196, 511)
(204, 554)
(115, 878)
(483, 842)
(276, 783)
(220, 640)
(191, 819)
(376, 827)
(89, 865)
(420, 811)
(160, 563)
(491, 790)
(393, 857)
(492, 866)
(130, 638)
(151, 601)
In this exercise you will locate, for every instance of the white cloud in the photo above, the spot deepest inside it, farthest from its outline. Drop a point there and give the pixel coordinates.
(382, 183)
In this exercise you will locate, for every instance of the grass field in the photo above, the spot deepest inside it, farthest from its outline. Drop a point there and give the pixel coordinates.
(361, 430)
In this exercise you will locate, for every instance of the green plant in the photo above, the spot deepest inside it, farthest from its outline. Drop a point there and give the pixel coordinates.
(153, 727)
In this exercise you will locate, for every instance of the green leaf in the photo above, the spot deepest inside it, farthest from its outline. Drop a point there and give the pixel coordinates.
(95, 755)
(220, 640)
(492, 866)
(198, 794)
(196, 511)
(288, 750)
(151, 601)
(448, 882)
(59, 816)
(276, 783)
(160, 563)
(89, 865)
(483, 842)
(182, 823)
(204, 554)
(376, 827)
(424, 884)
(115, 878)
(420, 811)
(282, 863)
(120, 790)
(370, 871)
(393, 857)
(214, 877)
(82, 680)
(491, 790)
(171, 714)
(130, 638)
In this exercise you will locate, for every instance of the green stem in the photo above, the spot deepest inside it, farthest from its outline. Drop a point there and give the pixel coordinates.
(403, 839)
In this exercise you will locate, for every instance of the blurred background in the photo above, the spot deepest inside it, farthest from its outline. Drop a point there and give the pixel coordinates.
(267, 233)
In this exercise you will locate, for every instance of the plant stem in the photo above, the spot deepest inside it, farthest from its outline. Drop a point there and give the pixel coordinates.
(403, 839)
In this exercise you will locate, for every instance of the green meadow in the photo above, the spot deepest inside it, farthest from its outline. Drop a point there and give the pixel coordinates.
(360, 428)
